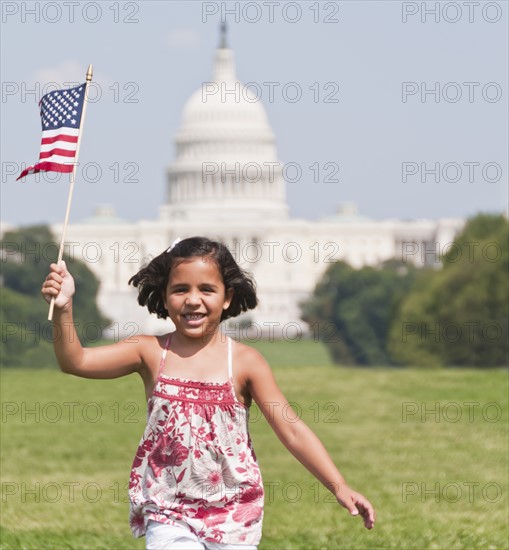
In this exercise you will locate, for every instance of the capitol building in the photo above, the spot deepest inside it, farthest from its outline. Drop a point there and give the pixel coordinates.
(226, 183)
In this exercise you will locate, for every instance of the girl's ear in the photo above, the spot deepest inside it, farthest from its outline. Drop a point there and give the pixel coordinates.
(228, 298)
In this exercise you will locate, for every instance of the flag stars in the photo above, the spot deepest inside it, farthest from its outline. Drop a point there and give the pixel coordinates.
(62, 105)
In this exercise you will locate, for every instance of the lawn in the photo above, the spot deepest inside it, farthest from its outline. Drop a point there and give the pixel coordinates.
(428, 448)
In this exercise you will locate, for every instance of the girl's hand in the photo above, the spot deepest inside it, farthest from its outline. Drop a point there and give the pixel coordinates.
(356, 504)
(59, 284)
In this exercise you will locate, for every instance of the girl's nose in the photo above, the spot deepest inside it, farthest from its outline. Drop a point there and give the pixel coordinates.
(193, 298)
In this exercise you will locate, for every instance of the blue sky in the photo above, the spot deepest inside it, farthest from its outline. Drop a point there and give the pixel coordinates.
(375, 58)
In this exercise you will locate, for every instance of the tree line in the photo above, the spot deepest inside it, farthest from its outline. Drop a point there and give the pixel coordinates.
(397, 314)
(26, 333)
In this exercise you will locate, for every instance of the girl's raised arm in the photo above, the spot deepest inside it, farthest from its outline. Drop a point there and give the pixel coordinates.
(300, 440)
(111, 361)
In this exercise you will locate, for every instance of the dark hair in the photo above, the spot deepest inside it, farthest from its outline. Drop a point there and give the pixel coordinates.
(152, 279)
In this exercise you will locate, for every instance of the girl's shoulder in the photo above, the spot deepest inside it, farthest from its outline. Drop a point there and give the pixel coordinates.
(149, 342)
(248, 365)
(246, 357)
(151, 351)
(151, 347)
(246, 350)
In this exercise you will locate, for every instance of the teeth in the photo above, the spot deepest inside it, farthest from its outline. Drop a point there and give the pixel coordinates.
(194, 316)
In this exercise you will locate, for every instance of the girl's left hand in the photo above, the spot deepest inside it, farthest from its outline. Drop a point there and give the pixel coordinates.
(356, 504)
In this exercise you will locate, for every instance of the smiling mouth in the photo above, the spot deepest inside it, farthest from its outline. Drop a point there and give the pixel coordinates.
(194, 316)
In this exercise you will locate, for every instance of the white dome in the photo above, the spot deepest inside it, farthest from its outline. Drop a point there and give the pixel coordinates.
(226, 157)
(223, 106)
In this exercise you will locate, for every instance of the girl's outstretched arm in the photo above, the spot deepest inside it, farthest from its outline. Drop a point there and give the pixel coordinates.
(110, 361)
(300, 440)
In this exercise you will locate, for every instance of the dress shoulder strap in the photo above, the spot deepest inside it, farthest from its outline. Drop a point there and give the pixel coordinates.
(165, 351)
(230, 366)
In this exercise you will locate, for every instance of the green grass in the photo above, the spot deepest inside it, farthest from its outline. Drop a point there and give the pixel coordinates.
(303, 353)
(356, 412)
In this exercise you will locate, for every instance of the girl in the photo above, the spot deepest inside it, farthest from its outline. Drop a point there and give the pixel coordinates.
(195, 481)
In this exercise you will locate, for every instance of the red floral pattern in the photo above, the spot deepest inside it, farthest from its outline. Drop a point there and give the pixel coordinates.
(196, 464)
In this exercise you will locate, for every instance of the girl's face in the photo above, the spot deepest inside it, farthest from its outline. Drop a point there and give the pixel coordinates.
(196, 297)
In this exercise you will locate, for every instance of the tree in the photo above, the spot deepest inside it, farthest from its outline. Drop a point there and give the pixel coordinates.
(459, 314)
(359, 304)
(26, 333)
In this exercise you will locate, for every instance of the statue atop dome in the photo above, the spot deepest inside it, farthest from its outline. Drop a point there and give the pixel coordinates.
(223, 44)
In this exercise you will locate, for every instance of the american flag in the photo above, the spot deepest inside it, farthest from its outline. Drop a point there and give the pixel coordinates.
(60, 119)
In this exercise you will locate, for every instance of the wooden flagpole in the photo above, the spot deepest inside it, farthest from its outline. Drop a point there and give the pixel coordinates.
(71, 187)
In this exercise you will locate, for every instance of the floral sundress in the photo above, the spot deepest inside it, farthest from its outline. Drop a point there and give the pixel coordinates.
(195, 464)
